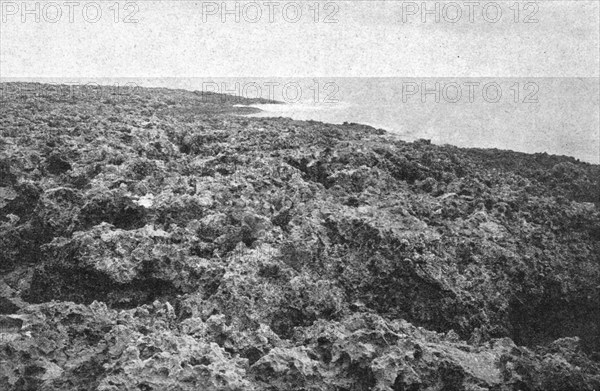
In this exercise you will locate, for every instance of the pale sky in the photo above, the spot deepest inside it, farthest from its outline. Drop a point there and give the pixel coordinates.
(171, 39)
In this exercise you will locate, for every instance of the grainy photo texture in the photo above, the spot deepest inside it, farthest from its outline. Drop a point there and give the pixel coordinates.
(309, 195)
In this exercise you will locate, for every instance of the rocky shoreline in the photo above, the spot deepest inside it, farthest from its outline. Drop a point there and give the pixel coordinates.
(158, 240)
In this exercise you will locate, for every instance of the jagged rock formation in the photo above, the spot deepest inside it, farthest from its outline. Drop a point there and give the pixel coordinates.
(159, 241)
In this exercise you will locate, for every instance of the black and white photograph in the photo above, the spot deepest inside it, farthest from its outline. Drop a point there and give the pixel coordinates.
(300, 195)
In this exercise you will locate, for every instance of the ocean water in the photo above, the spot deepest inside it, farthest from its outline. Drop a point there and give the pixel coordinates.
(553, 115)
(557, 116)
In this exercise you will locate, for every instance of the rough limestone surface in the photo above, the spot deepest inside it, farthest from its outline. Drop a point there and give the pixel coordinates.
(160, 240)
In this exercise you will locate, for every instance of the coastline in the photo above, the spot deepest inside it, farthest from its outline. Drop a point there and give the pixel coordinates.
(166, 232)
